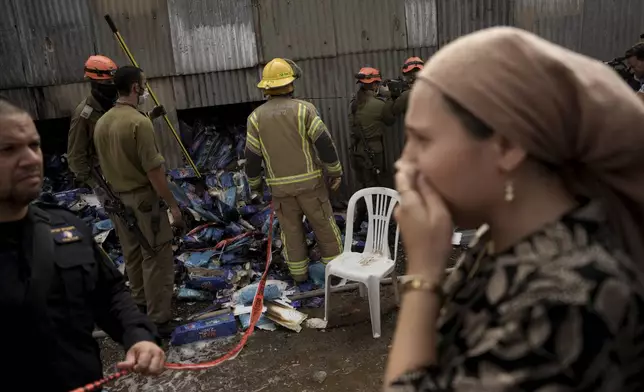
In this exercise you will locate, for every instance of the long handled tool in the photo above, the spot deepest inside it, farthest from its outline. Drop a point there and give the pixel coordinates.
(129, 55)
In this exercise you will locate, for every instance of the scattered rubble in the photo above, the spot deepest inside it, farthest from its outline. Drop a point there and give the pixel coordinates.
(319, 376)
(223, 255)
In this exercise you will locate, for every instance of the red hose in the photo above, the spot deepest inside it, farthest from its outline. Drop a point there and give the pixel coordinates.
(258, 306)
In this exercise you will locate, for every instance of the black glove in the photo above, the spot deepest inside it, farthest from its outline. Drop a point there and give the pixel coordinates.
(157, 112)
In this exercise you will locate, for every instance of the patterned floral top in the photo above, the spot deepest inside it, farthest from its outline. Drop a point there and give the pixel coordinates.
(562, 311)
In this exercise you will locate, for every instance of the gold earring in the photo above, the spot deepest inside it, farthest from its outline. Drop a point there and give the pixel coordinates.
(509, 191)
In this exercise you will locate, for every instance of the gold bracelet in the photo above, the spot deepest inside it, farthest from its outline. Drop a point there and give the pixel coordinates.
(415, 282)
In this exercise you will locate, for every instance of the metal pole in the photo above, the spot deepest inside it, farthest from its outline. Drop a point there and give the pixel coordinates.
(127, 52)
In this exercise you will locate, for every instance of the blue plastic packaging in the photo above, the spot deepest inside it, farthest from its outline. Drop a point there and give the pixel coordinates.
(211, 328)
(247, 294)
(186, 294)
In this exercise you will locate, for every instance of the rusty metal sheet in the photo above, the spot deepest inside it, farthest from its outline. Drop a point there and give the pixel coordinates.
(421, 21)
(611, 27)
(145, 27)
(557, 21)
(11, 53)
(23, 98)
(217, 88)
(55, 37)
(319, 78)
(369, 25)
(458, 18)
(60, 101)
(209, 36)
(296, 30)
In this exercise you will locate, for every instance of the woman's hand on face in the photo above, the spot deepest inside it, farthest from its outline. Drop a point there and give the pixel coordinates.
(425, 223)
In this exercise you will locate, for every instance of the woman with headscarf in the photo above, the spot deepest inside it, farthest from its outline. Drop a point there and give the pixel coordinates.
(543, 149)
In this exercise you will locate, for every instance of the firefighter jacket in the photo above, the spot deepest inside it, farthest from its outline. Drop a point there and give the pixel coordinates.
(294, 144)
(81, 154)
(370, 121)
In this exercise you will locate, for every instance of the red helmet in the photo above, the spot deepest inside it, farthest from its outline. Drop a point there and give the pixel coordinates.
(413, 63)
(100, 68)
(368, 75)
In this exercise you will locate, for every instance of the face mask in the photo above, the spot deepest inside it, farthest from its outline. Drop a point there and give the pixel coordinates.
(143, 97)
(106, 90)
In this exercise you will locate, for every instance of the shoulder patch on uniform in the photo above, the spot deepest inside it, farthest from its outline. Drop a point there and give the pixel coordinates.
(66, 234)
(87, 111)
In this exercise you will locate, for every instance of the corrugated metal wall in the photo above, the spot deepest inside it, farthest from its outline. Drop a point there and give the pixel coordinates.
(457, 18)
(212, 36)
(200, 53)
(611, 26)
(145, 26)
(558, 21)
(55, 38)
(12, 74)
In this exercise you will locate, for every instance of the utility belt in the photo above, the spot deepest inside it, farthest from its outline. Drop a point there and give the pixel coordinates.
(114, 205)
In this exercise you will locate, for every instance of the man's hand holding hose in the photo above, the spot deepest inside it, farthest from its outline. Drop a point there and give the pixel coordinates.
(145, 358)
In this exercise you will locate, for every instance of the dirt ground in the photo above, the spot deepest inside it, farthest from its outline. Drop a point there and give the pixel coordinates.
(343, 357)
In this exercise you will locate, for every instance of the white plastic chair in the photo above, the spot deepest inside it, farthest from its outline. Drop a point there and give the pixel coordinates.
(375, 263)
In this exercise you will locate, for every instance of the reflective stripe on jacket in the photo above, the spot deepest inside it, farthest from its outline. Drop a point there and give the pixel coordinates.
(294, 144)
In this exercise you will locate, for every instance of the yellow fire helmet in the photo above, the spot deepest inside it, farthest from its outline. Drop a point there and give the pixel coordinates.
(279, 73)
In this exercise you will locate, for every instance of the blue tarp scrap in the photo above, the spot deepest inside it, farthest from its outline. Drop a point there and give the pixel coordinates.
(180, 195)
(198, 259)
(226, 180)
(103, 225)
(186, 294)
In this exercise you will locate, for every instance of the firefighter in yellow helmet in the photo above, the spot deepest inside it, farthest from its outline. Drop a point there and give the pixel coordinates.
(297, 151)
(410, 69)
(81, 155)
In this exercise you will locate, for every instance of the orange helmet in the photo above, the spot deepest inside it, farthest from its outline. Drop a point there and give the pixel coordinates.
(100, 68)
(413, 63)
(368, 75)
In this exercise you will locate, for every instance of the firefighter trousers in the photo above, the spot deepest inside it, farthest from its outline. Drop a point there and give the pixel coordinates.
(315, 205)
(151, 276)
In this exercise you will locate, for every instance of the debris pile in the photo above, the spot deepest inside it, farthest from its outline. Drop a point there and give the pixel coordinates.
(222, 256)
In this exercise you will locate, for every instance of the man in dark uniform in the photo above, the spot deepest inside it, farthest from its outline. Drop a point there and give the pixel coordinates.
(55, 283)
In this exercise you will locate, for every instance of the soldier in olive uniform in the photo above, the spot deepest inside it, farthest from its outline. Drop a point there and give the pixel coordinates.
(370, 115)
(81, 154)
(410, 69)
(133, 167)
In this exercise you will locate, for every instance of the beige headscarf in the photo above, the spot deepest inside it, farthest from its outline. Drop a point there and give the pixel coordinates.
(565, 109)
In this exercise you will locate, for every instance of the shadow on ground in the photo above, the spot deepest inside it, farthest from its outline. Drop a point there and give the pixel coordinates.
(344, 357)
